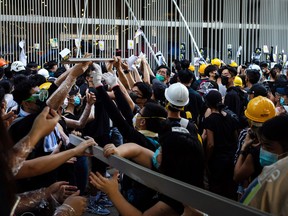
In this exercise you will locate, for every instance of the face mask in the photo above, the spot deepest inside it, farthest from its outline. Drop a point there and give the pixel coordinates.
(77, 101)
(282, 101)
(133, 96)
(267, 158)
(216, 76)
(65, 103)
(154, 158)
(224, 80)
(160, 77)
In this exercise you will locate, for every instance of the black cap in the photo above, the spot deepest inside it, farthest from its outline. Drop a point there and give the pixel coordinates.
(258, 90)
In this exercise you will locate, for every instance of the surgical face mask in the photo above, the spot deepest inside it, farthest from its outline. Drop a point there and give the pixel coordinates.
(267, 158)
(282, 101)
(154, 158)
(77, 101)
(224, 80)
(160, 77)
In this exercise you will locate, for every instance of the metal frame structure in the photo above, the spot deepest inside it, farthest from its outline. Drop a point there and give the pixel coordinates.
(213, 23)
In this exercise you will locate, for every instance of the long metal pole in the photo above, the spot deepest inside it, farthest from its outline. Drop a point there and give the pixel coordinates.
(143, 35)
(188, 29)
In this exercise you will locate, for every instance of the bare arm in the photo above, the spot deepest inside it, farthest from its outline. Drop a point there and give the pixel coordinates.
(145, 70)
(138, 154)
(41, 165)
(76, 124)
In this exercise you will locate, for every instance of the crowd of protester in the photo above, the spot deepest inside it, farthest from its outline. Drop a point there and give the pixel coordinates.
(222, 128)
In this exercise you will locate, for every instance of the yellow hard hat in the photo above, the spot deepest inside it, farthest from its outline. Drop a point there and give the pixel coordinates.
(216, 62)
(202, 68)
(191, 68)
(45, 85)
(260, 109)
(238, 81)
(233, 64)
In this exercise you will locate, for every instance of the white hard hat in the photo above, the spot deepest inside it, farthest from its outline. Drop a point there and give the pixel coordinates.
(17, 66)
(43, 72)
(177, 94)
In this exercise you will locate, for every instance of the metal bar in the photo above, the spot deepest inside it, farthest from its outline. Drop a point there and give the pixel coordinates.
(183, 192)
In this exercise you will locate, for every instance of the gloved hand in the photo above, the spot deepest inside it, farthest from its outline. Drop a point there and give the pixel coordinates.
(110, 79)
(97, 75)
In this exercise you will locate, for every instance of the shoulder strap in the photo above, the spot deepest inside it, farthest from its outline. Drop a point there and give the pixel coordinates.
(184, 122)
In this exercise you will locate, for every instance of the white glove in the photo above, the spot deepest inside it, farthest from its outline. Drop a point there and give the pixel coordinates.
(97, 75)
(110, 78)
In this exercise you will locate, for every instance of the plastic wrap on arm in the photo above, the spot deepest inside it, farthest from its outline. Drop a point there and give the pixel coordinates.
(32, 200)
(76, 124)
(65, 210)
(57, 98)
(20, 152)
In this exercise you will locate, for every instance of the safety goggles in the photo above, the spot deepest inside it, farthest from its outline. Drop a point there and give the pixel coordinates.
(42, 95)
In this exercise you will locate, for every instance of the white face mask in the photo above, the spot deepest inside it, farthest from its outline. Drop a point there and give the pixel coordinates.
(65, 103)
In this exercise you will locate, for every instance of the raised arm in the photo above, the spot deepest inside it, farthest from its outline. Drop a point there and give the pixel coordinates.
(76, 124)
(57, 98)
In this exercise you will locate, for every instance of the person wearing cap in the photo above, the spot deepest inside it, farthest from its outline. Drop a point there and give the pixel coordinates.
(281, 96)
(256, 90)
(177, 97)
(247, 164)
(269, 191)
(17, 67)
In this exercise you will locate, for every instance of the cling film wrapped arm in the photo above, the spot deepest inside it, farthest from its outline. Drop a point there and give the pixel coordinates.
(32, 200)
(20, 152)
(57, 98)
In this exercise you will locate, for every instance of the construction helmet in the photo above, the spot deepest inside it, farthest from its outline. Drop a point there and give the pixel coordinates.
(191, 68)
(233, 64)
(17, 66)
(260, 109)
(238, 81)
(44, 73)
(177, 94)
(216, 62)
(3, 63)
(202, 69)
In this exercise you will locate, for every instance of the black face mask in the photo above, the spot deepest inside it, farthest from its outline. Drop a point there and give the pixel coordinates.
(216, 76)
(224, 80)
(133, 96)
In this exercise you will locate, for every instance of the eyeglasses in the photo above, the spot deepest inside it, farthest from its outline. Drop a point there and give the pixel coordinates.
(42, 95)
